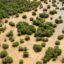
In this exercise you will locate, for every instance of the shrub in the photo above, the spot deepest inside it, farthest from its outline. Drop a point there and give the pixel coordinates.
(6, 21)
(21, 61)
(5, 40)
(5, 46)
(57, 51)
(21, 41)
(60, 37)
(33, 13)
(24, 16)
(20, 48)
(38, 38)
(35, 9)
(32, 28)
(38, 62)
(41, 6)
(63, 31)
(15, 44)
(55, 25)
(45, 39)
(37, 48)
(7, 60)
(52, 12)
(58, 21)
(25, 49)
(54, 59)
(27, 38)
(48, 6)
(17, 15)
(62, 60)
(11, 39)
(60, 17)
(38, 21)
(57, 42)
(0, 24)
(25, 54)
(11, 23)
(3, 54)
(10, 34)
(43, 44)
(44, 9)
(2, 29)
(31, 19)
(43, 15)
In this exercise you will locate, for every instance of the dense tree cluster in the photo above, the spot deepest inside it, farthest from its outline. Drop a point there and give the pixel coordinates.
(38, 22)
(52, 53)
(45, 29)
(11, 7)
(25, 28)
